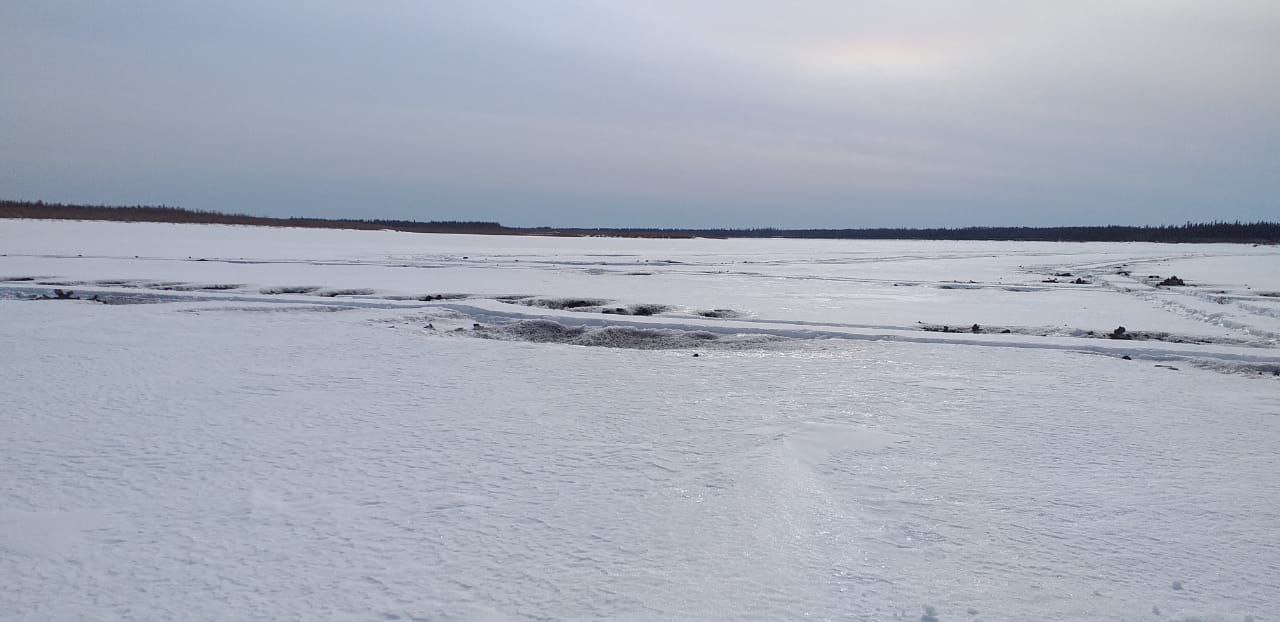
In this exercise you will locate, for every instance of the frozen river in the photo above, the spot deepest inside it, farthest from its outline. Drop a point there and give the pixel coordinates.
(315, 424)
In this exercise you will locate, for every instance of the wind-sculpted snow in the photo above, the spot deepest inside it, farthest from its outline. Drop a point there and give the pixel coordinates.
(439, 449)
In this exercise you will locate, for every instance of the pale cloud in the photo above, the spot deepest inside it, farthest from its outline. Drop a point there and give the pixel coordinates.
(666, 113)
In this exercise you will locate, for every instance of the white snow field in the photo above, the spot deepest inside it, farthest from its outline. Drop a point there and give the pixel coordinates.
(273, 424)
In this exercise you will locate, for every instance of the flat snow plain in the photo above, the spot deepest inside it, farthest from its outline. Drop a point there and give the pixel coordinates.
(311, 424)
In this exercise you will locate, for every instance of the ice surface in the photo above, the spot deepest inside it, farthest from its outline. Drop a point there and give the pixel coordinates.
(225, 453)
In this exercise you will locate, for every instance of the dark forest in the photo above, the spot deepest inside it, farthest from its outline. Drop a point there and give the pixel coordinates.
(1240, 232)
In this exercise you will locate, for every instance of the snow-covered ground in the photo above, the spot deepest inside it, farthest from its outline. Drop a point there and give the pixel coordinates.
(317, 424)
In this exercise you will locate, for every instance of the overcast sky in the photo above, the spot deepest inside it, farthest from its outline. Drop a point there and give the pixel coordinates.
(838, 113)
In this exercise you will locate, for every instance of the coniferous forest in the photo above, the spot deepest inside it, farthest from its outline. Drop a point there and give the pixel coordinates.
(1262, 232)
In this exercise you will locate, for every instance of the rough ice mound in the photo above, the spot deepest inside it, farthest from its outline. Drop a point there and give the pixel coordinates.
(547, 331)
(104, 297)
(639, 309)
(719, 313)
(289, 289)
(562, 303)
(593, 305)
(352, 291)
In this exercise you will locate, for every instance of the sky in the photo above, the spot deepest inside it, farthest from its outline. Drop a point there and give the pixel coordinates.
(665, 113)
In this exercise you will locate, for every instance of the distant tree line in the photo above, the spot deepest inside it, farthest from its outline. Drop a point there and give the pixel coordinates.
(1218, 231)
(165, 213)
